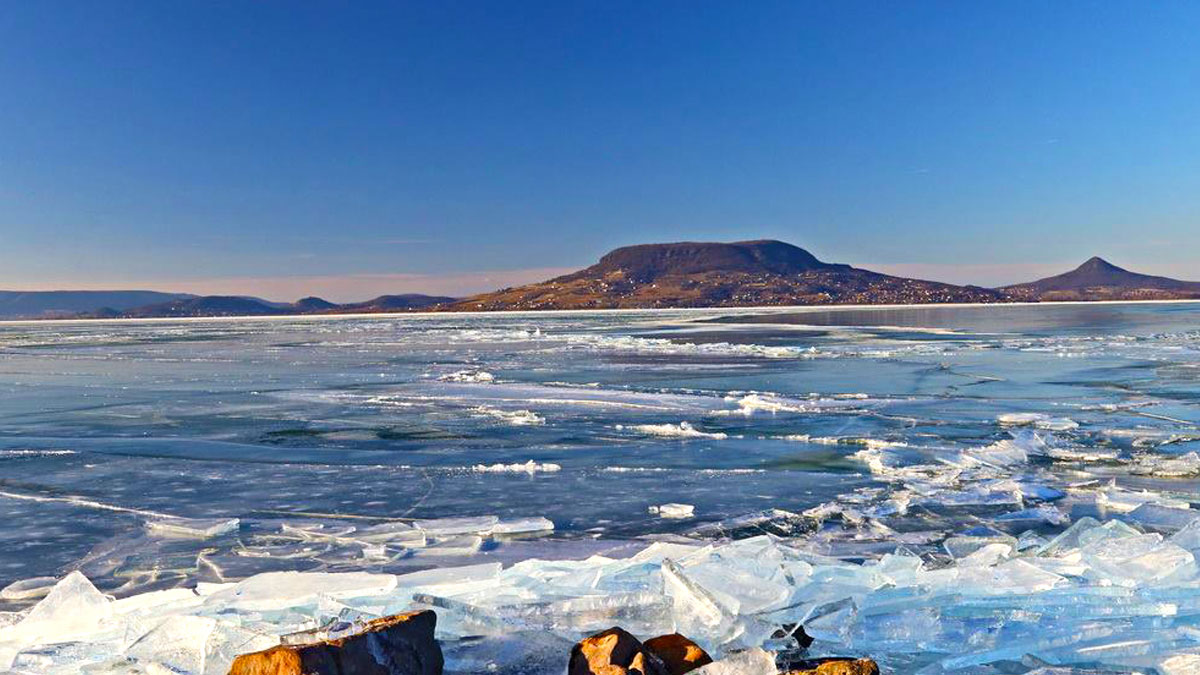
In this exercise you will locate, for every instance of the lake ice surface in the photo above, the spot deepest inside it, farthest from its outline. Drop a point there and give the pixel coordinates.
(967, 490)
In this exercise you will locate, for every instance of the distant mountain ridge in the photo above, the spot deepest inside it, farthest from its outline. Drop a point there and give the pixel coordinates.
(675, 275)
(1098, 279)
(207, 305)
(68, 303)
(221, 305)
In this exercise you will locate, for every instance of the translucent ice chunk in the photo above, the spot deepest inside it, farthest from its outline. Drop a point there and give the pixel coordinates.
(227, 641)
(276, 590)
(696, 610)
(192, 528)
(157, 602)
(1179, 664)
(459, 545)
(1069, 538)
(512, 652)
(179, 644)
(393, 533)
(961, 547)
(523, 526)
(1044, 513)
(987, 555)
(747, 662)
(317, 530)
(1163, 518)
(444, 527)
(28, 589)
(72, 609)
(1188, 537)
(450, 576)
(1132, 560)
(1184, 465)
(772, 521)
(673, 510)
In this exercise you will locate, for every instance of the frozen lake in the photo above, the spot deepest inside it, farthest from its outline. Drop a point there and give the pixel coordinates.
(339, 445)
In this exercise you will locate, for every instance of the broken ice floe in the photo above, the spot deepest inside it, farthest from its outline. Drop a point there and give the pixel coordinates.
(471, 376)
(673, 510)
(681, 430)
(518, 418)
(1071, 600)
(1038, 420)
(192, 528)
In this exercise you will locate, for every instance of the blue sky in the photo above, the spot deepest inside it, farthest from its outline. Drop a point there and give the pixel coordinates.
(350, 149)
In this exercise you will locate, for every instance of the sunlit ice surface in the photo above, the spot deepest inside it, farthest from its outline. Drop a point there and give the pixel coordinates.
(965, 489)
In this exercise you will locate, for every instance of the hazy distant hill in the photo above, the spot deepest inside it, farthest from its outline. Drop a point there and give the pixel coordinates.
(222, 305)
(313, 305)
(706, 274)
(1098, 279)
(68, 303)
(209, 305)
(397, 303)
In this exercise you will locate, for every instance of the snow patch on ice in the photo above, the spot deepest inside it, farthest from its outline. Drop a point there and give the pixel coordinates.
(528, 467)
(681, 430)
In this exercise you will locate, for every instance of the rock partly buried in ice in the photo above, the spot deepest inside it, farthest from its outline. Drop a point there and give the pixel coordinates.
(395, 645)
(837, 667)
(613, 652)
(679, 654)
(673, 510)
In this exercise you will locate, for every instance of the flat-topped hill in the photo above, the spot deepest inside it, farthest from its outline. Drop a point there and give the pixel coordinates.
(713, 274)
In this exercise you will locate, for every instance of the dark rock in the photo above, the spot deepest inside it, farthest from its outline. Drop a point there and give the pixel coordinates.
(613, 652)
(794, 631)
(679, 654)
(394, 645)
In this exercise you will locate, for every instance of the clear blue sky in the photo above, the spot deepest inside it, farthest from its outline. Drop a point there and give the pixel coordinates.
(353, 147)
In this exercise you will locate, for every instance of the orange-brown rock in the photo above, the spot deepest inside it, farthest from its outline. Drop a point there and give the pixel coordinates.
(838, 667)
(613, 652)
(394, 645)
(678, 654)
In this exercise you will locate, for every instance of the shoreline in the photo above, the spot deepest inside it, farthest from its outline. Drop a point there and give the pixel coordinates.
(582, 312)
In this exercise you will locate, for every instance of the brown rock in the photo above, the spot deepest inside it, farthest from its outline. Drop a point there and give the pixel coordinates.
(837, 667)
(677, 653)
(613, 652)
(394, 645)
